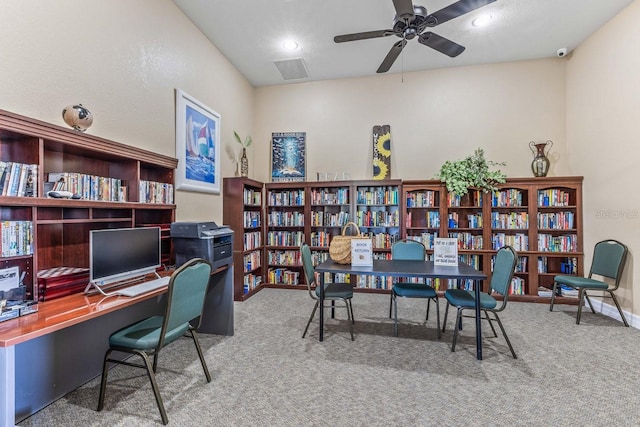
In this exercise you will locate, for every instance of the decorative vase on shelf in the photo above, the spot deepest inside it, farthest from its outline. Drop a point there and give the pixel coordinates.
(244, 163)
(540, 164)
(77, 116)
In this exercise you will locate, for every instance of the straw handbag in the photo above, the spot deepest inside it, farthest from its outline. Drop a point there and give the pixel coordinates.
(340, 246)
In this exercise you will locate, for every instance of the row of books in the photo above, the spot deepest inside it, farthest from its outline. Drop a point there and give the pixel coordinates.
(518, 241)
(468, 240)
(424, 199)
(154, 192)
(549, 243)
(283, 276)
(475, 199)
(289, 257)
(89, 187)
(252, 197)
(251, 219)
(507, 198)
(556, 220)
(553, 197)
(337, 196)
(252, 240)
(17, 238)
(382, 240)
(18, 179)
(568, 265)
(327, 219)
(378, 219)
(251, 261)
(427, 239)
(320, 238)
(511, 220)
(377, 196)
(286, 219)
(251, 281)
(286, 198)
(285, 238)
(473, 220)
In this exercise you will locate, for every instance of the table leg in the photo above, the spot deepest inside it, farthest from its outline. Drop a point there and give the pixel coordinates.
(7, 386)
(477, 286)
(321, 334)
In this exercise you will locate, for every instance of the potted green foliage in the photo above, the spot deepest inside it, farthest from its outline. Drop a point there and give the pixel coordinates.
(471, 172)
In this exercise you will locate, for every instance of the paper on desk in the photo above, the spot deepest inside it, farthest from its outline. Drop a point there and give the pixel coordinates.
(9, 278)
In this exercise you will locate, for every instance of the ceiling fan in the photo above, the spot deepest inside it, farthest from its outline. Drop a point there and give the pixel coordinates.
(411, 21)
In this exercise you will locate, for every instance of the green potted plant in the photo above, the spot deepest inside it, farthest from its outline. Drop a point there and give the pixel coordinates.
(471, 172)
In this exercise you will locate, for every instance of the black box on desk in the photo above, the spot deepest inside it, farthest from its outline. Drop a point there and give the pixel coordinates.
(204, 240)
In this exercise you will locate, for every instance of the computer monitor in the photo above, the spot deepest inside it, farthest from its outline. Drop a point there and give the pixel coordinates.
(123, 253)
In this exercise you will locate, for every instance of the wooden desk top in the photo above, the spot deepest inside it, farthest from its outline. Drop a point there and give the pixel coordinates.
(64, 312)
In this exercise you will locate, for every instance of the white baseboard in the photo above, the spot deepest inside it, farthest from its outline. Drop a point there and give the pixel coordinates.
(610, 310)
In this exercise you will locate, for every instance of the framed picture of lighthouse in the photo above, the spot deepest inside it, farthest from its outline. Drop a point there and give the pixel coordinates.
(197, 145)
(288, 156)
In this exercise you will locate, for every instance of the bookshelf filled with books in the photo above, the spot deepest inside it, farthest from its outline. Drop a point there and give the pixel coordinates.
(243, 212)
(35, 156)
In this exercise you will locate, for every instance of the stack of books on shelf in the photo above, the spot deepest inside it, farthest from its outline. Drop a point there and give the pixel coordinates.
(17, 238)
(567, 291)
(155, 192)
(18, 179)
(544, 292)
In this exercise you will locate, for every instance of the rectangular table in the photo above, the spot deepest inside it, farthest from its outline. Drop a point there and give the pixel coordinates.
(405, 268)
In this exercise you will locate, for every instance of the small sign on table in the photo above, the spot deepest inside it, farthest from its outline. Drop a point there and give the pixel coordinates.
(361, 252)
(445, 251)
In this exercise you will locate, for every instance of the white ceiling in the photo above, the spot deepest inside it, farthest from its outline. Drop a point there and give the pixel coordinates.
(250, 33)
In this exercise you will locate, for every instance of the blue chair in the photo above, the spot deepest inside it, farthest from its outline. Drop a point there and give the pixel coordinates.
(185, 302)
(609, 257)
(501, 276)
(332, 291)
(411, 250)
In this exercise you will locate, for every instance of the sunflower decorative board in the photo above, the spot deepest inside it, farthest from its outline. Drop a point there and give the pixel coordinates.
(382, 152)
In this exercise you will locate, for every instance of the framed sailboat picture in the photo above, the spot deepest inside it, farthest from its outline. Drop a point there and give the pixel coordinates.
(197, 145)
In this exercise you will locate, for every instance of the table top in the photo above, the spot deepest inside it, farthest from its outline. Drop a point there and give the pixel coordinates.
(64, 312)
(387, 267)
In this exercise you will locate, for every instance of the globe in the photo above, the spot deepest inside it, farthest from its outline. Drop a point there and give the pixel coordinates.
(77, 117)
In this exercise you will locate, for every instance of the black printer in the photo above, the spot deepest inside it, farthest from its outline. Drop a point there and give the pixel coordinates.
(202, 240)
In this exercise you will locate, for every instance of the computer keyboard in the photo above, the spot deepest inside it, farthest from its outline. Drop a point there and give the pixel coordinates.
(144, 287)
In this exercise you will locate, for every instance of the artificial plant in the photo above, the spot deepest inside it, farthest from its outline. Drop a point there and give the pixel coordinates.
(471, 172)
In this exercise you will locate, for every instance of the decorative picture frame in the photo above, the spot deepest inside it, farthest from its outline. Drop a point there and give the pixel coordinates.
(288, 156)
(197, 145)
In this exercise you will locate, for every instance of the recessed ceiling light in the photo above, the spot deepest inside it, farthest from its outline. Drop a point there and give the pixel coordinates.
(290, 45)
(481, 20)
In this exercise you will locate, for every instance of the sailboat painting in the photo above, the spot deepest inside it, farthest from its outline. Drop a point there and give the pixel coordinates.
(197, 145)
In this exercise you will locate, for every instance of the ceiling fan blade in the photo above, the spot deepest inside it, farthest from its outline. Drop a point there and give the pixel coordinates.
(391, 57)
(441, 44)
(454, 10)
(362, 36)
(404, 9)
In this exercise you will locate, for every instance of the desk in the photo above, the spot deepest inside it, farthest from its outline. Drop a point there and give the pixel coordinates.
(47, 354)
(405, 268)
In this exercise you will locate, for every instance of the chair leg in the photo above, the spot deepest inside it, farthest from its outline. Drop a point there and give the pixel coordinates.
(437, 316)
(103, 382)
(580, 304)
(553, 296)
(349, 318)
(333, 309)
(390, 303)
(353, 319)
(200, 355)
(615, 300)
(154, 386)
(486, 313)
(395, 317)
(428, 305)
(586, 296)
(455, 330)
(446, 312)
(513, 353)
(313, 313)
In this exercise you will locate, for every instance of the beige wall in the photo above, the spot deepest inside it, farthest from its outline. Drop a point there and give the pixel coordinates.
(123, 60)
(434, 116)
(603, 125)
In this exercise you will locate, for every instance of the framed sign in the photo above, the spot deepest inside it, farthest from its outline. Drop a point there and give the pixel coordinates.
(445, 251)
(362, 252)
(197, 145)
(288, 156)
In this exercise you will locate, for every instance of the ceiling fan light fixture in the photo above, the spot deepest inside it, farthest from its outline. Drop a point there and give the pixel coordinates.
(482, 20)
(290, 45)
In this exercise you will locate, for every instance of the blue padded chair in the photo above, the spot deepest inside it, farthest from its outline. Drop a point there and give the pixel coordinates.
(609, 257)
(332, 291)
(185, 302)
(503, 270)
(411, 250)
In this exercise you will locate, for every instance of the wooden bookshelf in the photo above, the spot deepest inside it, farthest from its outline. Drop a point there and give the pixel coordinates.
(61, 227)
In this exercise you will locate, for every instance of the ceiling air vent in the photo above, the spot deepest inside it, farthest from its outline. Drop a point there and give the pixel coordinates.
(292, 69)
